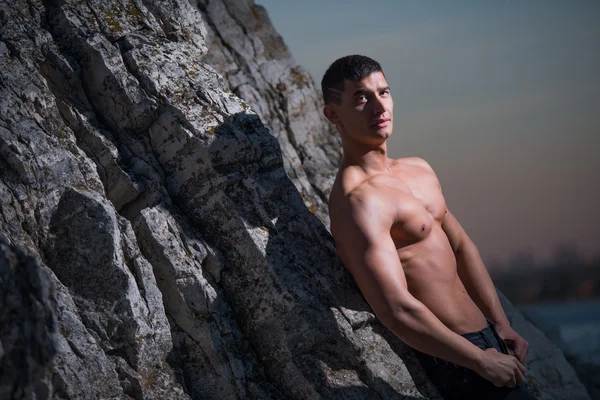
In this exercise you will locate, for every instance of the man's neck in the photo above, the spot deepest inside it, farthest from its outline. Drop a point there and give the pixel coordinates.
(371, 159)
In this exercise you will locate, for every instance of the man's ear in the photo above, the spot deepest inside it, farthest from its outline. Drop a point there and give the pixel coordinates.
(331, 114)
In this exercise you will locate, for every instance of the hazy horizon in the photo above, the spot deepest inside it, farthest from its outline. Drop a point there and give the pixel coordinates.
(502, 99)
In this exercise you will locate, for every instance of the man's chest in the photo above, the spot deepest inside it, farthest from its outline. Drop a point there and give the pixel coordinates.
(416, 204)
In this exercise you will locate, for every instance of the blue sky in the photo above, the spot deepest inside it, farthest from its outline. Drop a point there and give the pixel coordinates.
(502, 98)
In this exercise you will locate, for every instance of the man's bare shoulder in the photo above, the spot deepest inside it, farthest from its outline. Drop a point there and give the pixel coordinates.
(356, 204)
(415, 161)
(361, 196)
(351, 188)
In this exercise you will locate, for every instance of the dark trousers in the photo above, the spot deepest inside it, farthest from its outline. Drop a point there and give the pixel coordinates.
(456, 382)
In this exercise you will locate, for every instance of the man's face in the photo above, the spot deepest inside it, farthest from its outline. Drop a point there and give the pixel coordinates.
(366, 109)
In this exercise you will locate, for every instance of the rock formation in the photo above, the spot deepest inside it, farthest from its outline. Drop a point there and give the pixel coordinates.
(27, 327)
(174, 256)
(259, 68)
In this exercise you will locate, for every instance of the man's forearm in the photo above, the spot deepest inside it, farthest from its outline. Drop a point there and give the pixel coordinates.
(478, 283)
(418, 327)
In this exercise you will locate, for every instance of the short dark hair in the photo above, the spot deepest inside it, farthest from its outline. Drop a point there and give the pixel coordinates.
(353, 67)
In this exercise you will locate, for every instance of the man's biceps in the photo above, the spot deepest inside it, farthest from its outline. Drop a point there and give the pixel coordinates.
(451, 222)
(449, 219)
(384, 289)
(453, 229)
(381, 267)
(353, 244)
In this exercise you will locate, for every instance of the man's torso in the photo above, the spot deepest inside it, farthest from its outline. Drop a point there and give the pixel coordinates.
(413, 199)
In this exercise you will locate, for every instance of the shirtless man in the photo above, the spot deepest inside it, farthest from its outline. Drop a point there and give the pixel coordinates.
(412, 260)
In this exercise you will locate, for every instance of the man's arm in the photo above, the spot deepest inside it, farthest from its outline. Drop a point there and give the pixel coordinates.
(364, 244)
(477, 281)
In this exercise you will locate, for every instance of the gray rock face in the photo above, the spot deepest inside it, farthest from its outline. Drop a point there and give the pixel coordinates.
(27, 327)
(251, 55)
(184, 261)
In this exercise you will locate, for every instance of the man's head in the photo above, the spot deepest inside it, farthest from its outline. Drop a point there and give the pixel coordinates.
(354, 67)
(357, 98)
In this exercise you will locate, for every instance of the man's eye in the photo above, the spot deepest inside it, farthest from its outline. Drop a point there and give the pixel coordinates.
(362, 97)
(385, 92)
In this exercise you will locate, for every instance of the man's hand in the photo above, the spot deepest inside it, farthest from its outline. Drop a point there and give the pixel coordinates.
(516, 344)
(501, 369)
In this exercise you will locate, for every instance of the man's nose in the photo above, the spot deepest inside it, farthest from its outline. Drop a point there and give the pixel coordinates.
(378, 105)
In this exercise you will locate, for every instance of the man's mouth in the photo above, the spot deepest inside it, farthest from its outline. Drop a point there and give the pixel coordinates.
(380, 123)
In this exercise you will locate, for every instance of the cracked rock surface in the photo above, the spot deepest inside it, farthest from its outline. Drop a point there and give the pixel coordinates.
(251, 55)
(166, 246)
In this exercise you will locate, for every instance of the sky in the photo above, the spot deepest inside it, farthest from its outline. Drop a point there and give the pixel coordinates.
(502, 98)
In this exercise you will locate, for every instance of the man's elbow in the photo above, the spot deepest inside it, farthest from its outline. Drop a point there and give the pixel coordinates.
(400, 314)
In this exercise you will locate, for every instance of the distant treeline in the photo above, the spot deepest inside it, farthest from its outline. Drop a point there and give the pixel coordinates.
(567, 276)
